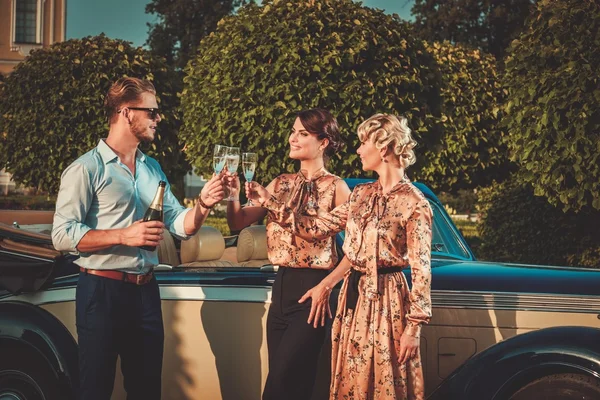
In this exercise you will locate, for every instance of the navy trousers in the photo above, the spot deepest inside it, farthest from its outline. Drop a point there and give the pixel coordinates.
(293, 344)
(118, 318)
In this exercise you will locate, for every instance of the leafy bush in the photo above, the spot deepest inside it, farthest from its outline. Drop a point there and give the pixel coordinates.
(517, 226)
(220, 223)
(463, 202)
(267, 62)
(553, 112)
(51, 108)
(486, 24)
(473, 151)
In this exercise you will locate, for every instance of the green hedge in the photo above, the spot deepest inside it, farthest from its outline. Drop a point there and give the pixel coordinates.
(553, 112)
(220, 223)
(51, 108)
(473, 151)
(264, 64)
(463, 202)
(517, 226)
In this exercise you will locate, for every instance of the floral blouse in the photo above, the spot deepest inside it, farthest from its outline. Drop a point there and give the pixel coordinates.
(382, 230)
(301, 195)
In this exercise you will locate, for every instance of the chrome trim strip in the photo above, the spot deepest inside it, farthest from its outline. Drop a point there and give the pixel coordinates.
(256, 294)
(440, 298)
(13, 253)
(45, 296)
(516, 301)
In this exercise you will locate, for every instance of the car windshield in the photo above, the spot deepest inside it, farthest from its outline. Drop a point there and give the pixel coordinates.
(446, 240)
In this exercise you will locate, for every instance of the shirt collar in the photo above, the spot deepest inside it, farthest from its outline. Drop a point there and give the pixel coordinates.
(109, 155)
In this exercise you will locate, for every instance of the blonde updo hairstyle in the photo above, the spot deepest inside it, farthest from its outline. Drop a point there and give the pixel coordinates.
(389, 131)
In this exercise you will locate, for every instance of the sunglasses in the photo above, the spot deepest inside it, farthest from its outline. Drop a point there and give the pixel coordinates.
(153, 111)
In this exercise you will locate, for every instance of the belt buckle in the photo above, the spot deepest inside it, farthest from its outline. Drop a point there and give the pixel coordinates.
(139, 279)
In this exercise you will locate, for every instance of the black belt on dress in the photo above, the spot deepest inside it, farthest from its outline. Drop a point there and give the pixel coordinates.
(354, 278)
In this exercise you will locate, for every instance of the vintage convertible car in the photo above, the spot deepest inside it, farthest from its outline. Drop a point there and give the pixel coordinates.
(499, 331)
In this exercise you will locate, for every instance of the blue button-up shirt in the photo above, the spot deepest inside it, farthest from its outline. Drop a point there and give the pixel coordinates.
(97, 191)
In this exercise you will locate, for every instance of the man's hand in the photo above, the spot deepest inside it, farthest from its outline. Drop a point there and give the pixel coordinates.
(256, 192)
(409, 347)
(142, 234)
(319, 307)
(213, 191)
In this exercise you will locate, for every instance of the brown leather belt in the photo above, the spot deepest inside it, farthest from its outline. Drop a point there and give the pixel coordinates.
(120, 276)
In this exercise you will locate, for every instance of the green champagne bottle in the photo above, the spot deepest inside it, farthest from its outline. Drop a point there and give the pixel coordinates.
(155, 211)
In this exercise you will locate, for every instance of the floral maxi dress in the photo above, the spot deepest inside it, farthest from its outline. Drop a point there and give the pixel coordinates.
(383, 230)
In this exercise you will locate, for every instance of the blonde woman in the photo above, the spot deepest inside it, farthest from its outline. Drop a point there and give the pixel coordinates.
(376, 330)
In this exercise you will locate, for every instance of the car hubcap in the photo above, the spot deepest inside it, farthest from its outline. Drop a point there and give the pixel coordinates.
(10, 396)
(16, 385)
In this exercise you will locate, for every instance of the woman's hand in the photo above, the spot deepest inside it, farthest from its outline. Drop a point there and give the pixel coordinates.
(319, 307)
(409, 347)
(256, 193)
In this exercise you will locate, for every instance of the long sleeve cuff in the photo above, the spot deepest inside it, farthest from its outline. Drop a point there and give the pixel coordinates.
(413, 329)
(272, 204)
(66, 237)
(280, 213)
(178, 226)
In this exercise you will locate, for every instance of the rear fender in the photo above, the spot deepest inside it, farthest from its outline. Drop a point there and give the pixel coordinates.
(39, 330)
(500, 370)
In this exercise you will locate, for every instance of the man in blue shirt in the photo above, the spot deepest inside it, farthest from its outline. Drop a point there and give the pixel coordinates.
(103, 197)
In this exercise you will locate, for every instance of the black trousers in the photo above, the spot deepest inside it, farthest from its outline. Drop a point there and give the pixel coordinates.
(118, 318)
(293, 344)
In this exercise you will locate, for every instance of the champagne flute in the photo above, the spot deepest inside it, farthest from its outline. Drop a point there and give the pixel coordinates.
(249, 161)
(219, 155)
(232, 161)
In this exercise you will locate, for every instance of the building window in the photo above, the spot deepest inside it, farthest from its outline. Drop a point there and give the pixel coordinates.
(26, 21)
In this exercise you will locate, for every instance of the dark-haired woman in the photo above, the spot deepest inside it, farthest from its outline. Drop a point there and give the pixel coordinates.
(293, 343)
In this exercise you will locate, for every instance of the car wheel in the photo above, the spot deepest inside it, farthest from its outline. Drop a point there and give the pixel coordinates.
(26, 376)
(560, 387)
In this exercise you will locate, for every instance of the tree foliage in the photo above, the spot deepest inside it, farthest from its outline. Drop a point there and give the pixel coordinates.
(263, 65)
(486, 24)
(554, 102)
(182, 24)
(473, 151)
(518, 226)
(51, 108)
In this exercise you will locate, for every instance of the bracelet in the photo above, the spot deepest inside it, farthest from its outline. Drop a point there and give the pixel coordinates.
(204, 204)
